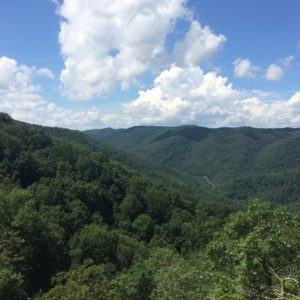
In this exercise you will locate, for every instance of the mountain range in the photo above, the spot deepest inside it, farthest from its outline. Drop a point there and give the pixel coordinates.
(160, 216)
(229, 163)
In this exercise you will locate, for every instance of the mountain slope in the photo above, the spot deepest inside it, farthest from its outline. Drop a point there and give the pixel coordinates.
(151, 169)
(238, 163)
(77, 225)
(64, 207)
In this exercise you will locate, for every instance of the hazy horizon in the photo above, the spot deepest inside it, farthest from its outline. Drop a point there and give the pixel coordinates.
(96, 64)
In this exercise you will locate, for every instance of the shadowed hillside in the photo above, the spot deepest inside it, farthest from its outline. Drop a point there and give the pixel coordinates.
(239, 163)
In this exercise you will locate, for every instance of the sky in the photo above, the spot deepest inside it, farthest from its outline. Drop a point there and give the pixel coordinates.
(122, 63)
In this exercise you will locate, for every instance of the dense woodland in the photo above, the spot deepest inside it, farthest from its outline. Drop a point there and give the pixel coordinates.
(78, 223)
(231, 163)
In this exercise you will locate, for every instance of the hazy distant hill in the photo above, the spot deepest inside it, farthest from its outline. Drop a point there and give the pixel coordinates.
(239, 163)
(153, 170)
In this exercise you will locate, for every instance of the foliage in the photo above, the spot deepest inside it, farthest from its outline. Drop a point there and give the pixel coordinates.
(228, 163)
(86, 282)
(257, 250)
(76, 225)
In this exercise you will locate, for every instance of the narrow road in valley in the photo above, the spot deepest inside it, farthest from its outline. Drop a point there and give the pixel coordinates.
(209, 182)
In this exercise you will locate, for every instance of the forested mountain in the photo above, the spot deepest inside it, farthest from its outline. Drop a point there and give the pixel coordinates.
(151, 169)
(234, 163)
(76, 225)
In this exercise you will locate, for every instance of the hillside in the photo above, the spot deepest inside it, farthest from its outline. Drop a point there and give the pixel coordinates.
(61, 204)
(236, 163)
(150, 169)
(76, 225)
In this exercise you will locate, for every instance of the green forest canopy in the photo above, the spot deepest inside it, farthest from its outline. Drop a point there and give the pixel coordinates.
(76, 225)
(227, 163)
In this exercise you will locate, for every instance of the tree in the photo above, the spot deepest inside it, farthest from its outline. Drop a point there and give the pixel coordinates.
(143, 227)
(93, 242)
(43, 238)
(13, 265)
(256, 248)
(5, 118)
(86, 282)
(11, 285)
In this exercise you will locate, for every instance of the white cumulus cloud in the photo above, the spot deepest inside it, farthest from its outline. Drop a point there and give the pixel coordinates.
(182, 95)
(199, 45)
(45, 72)
(245, 68)
(106, 44)
(276, 71)
(287, 61)
(22, 99)
(185, 95)
(14, 77)
(111, 44)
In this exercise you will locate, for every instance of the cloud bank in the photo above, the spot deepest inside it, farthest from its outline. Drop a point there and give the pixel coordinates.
(111, 44)
(190, 96)
(23, 101)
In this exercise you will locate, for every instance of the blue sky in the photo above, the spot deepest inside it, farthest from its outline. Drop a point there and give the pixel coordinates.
(122, 63)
